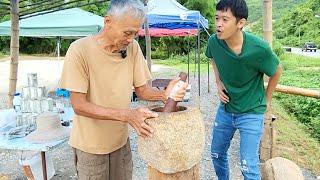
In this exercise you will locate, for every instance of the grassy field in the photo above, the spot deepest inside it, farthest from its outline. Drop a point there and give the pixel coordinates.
(293, 140)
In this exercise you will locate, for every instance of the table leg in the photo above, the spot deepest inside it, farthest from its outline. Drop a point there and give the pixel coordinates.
(44, 165)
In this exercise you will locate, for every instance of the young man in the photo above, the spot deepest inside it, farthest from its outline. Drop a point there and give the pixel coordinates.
(100, 72)
(239, 60)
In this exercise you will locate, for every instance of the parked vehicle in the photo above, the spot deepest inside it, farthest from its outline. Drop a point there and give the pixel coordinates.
(309, 46)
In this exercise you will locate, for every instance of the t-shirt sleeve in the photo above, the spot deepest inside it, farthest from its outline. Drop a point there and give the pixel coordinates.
(269, 63)
(141, 73)
(74, 75)
(209, 48)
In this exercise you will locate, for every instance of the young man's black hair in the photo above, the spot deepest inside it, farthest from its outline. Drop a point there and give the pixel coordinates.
(238, 8)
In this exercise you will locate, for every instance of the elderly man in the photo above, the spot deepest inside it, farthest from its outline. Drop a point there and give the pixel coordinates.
(100, 71)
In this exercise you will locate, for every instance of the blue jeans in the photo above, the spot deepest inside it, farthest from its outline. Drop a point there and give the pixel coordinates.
(251, 129)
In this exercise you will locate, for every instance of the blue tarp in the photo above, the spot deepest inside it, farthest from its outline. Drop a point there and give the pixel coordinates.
(170, 14)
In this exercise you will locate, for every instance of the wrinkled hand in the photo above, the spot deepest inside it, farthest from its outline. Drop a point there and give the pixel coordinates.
(223, 97)
(137, 121)
(178, 96)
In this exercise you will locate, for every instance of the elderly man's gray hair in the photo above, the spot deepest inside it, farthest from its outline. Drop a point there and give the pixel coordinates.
(134, 8)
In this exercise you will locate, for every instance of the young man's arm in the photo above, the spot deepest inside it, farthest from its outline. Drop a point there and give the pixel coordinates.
(220, 86)
(272, 83)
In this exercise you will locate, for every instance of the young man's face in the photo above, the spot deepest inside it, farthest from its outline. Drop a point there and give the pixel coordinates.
(122, 30)
(227, 25)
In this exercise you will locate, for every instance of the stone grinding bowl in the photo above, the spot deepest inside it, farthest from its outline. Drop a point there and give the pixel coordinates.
(178, 141)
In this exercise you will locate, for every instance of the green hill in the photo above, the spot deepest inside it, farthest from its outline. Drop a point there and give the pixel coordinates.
(279, 7)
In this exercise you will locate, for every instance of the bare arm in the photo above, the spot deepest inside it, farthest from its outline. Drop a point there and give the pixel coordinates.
(272, 83)
(148, 93)
(220, 86)
(136, 118)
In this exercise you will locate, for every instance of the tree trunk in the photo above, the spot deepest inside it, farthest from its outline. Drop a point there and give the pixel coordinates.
(191, 174)
(14, 49)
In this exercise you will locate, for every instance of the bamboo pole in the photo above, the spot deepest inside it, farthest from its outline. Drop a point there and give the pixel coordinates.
(14, 50)
(267, 21)
(190, 174)
(296, 91)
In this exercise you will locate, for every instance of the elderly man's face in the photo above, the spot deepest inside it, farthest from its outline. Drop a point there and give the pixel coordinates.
(122, 30)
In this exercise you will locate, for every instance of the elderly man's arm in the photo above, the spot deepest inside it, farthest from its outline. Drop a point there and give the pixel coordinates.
(152, 94)
(134, 117)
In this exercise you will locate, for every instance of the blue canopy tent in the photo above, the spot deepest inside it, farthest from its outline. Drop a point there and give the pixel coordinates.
(169, 14)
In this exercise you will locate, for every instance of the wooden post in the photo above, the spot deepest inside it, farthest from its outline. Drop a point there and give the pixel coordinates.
(267, 21)
(14, 49)
(191, 174)
(148, 39)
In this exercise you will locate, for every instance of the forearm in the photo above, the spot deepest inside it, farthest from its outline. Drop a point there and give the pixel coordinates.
(272, 83)
(85, 108)
(151, 94)
(216, 72)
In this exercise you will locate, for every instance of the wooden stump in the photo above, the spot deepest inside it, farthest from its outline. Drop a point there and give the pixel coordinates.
(191, 174)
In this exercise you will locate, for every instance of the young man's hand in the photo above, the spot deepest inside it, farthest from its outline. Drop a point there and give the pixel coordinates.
(137, 119)
(179, 94)
(222, 95)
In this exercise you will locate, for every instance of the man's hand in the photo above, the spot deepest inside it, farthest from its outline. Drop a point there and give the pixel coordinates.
(222, 95)
(178, 96)
(137, 119)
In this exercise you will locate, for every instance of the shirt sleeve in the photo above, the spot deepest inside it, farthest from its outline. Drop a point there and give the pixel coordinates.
(141, 73)
(269, 63)
(75, 76)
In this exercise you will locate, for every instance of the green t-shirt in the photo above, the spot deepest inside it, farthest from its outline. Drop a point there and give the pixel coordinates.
(242, 74)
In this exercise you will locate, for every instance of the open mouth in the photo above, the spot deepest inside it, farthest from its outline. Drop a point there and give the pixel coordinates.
(218, 31)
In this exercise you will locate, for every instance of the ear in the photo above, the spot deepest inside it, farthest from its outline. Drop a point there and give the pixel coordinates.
(107, 21)
(241, 23)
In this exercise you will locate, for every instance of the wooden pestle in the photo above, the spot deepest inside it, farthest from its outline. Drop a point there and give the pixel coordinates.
(171, 104)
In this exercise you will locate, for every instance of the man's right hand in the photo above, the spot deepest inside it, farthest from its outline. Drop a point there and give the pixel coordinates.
(137, 119)
(222, 95)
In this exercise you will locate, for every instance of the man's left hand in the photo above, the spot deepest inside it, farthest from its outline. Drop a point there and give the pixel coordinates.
(179, 94)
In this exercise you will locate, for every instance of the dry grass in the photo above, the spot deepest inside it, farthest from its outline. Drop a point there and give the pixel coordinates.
(293, 141)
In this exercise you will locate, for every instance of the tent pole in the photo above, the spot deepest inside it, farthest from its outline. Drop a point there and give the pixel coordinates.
(58, 47)
(148, 40)
(199, 57)
(195, 59)
(188, 59)
(14, 50)
(208, 76)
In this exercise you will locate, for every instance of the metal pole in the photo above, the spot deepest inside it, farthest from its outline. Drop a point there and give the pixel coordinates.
(208, 77)
(188, 59)
(148, 40)
(199, 58)
(195, 59)
(58, 46)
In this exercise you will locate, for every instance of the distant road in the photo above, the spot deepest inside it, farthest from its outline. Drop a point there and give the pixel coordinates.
(303, 53)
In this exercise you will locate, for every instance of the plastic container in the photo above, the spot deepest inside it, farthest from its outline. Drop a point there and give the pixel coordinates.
(17, 101)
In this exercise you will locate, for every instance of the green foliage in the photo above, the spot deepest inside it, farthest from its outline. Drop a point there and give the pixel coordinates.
(302, 72)
(279, 6)
(299, 25)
